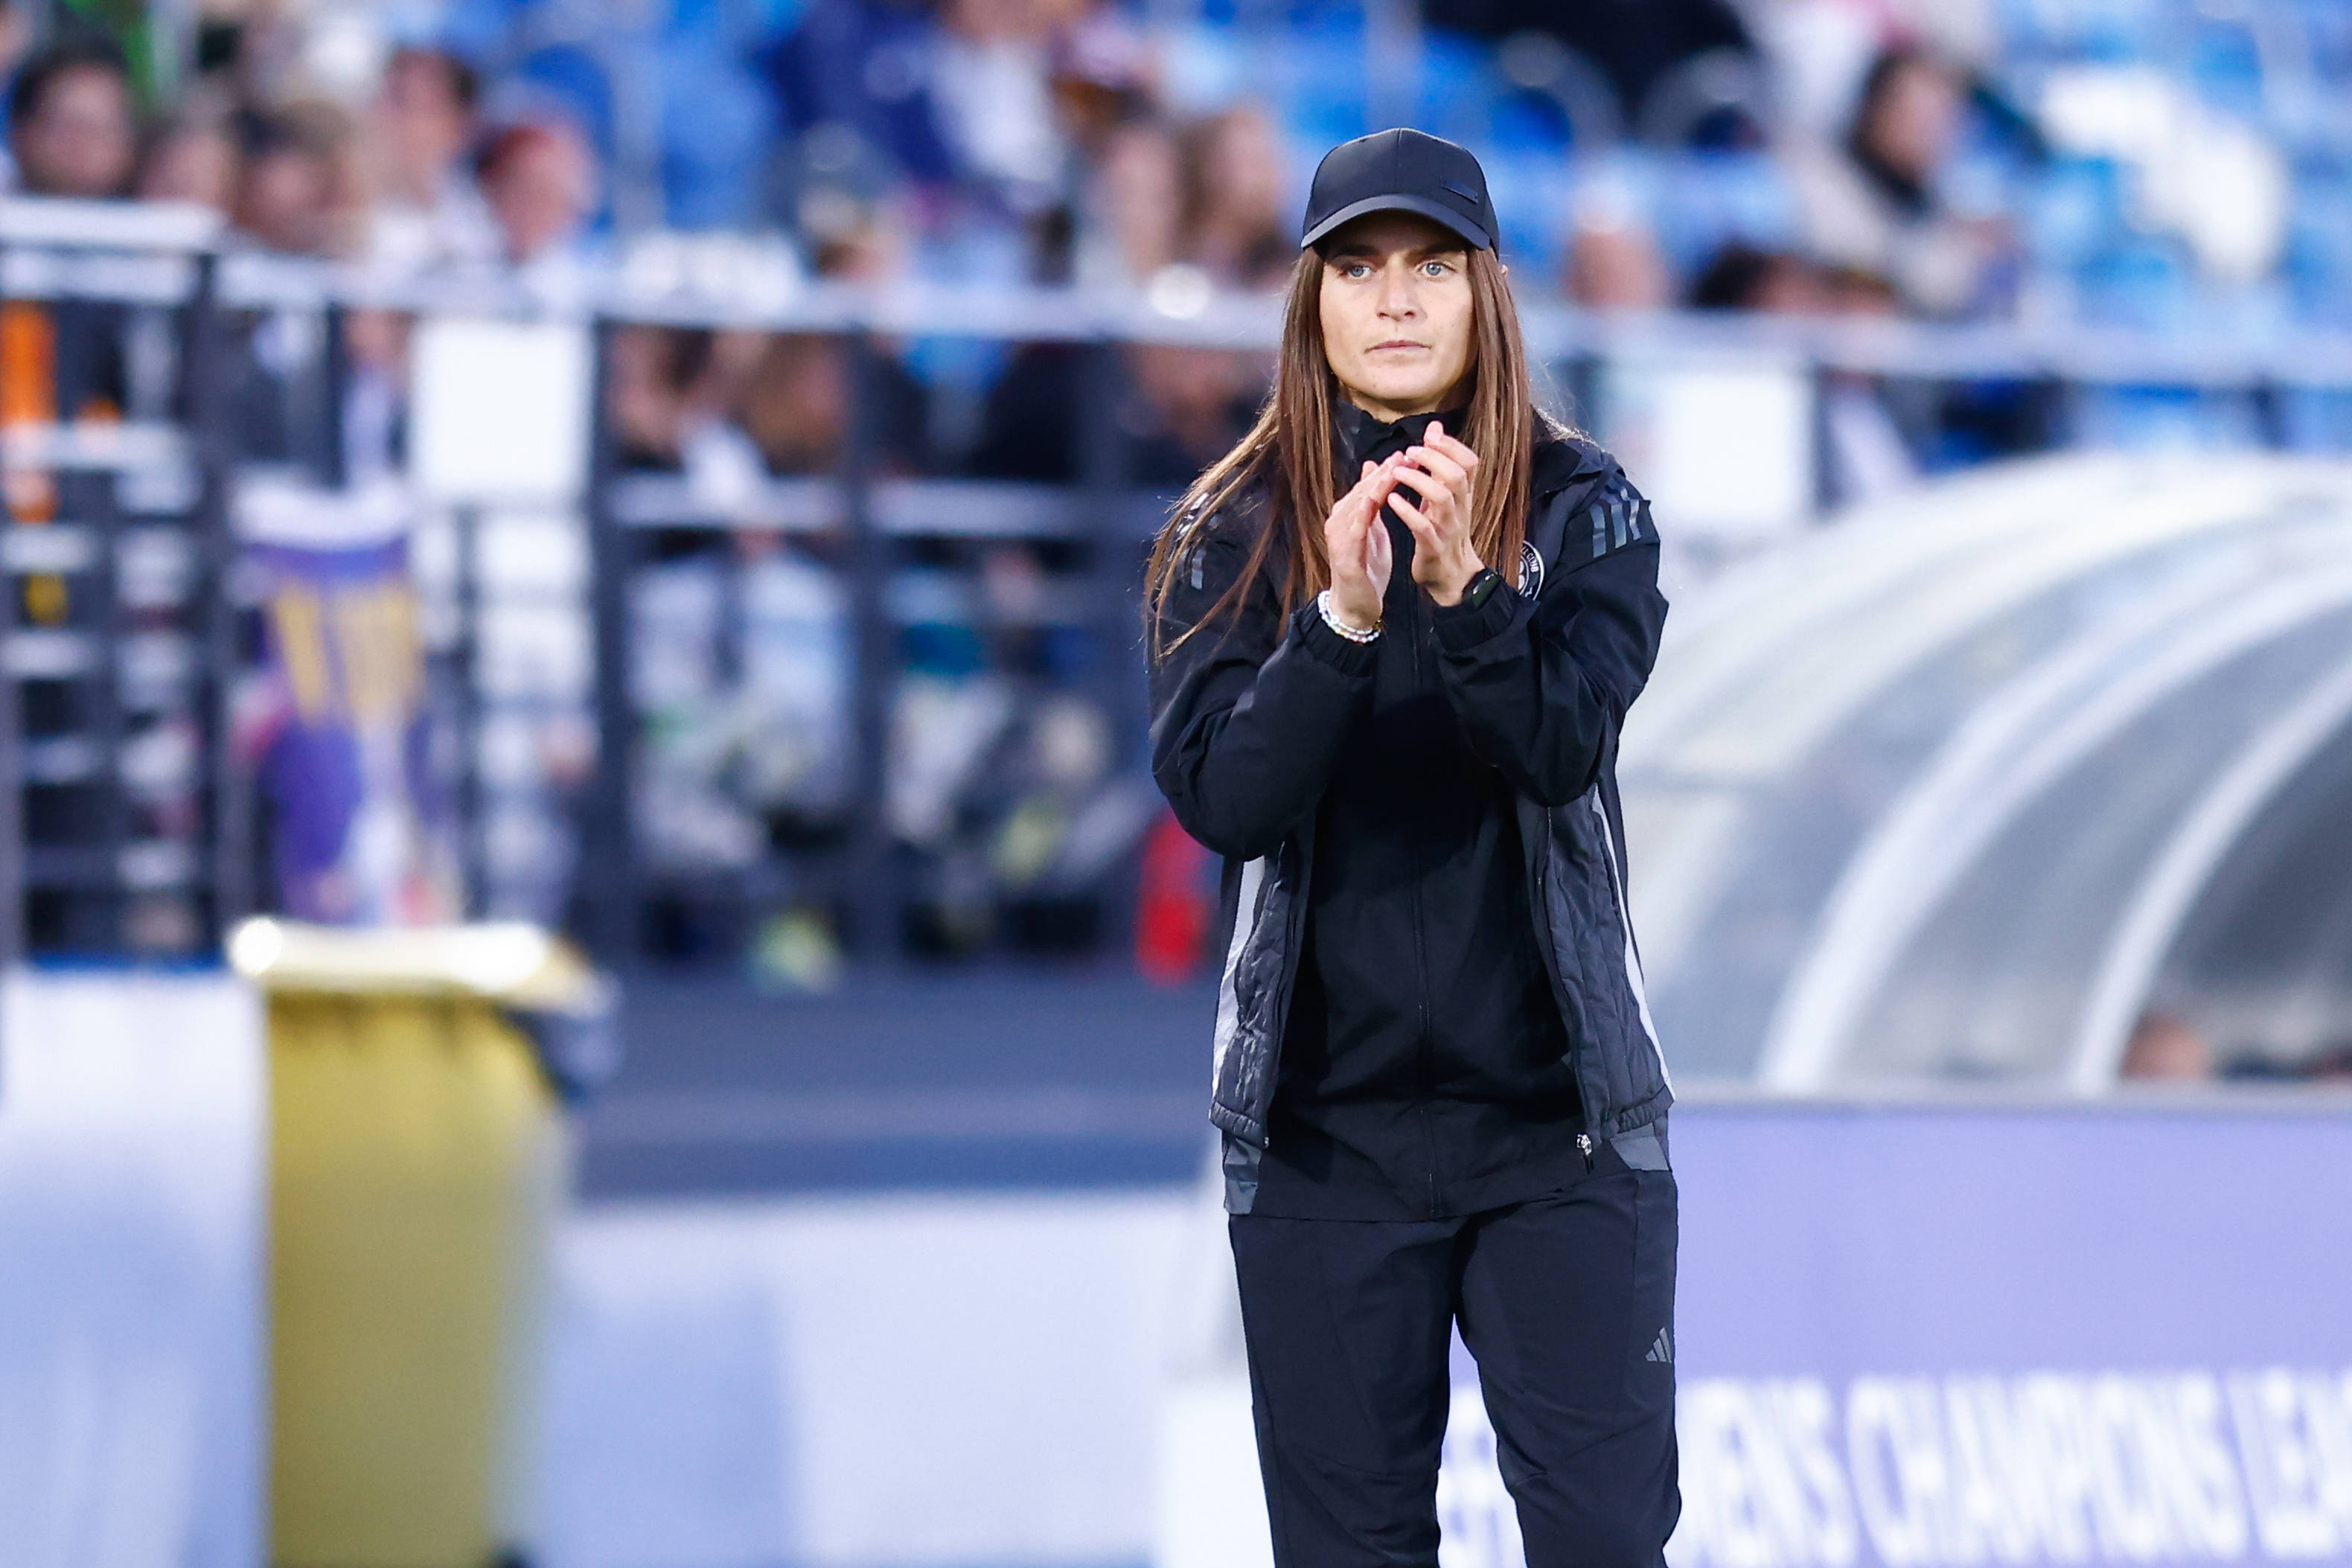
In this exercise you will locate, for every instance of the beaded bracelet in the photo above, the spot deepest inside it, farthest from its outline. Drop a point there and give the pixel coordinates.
(1331, 618)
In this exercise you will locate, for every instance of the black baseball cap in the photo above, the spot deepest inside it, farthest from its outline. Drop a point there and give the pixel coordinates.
(1401, 171)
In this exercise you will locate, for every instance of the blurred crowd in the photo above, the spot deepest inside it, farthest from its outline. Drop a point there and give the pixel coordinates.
(1041, 142)
(2164, 1048)
(415, 179)
(1948, 159)
(1871, 150)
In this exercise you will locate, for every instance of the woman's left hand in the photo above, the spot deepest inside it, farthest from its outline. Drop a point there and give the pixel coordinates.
(1441, 471)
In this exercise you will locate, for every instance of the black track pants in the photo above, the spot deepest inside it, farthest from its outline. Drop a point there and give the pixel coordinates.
(1566, 1301)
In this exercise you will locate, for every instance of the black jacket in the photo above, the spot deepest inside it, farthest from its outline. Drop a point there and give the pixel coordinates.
(1252, 717)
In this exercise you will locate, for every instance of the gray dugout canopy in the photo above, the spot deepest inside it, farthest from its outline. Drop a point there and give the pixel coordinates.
(1963, 787)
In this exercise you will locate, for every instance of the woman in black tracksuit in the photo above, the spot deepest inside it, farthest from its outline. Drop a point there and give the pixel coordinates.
(1441, 1097)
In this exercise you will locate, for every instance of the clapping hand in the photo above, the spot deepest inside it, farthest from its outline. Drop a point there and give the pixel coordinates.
(1441, 471)
(1357, 542)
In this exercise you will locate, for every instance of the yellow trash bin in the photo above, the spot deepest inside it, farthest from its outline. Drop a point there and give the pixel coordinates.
(417, 1160)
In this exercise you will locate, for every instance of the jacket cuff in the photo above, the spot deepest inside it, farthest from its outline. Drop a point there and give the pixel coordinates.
(1460, 628)
(1327, 647)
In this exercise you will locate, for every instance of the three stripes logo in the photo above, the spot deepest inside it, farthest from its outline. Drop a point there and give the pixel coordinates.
(1619, 516)
(1662, 1349)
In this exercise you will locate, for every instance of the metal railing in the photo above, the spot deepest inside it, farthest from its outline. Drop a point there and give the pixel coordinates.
(115, 620)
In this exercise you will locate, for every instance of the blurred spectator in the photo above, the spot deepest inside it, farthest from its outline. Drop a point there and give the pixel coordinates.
(854, 79)
(796, 409)
(1172, 410)
(651, 375)
(2165, 1050)
(1874, 202)
(1856, 291)
(1103, 78)
(1905, 124)
(1188, 406)
(1133, 205)
(2332, 1066)
(295, 192)
(1236, 225)
(426, 210)
(797, 400)
(540, 181)
(1615, 266)
(1741, 278)
(724, 405)
(69, 123)
(720, 405)
(992, 86)
(192, 157)
(959, 107)
(674, 393)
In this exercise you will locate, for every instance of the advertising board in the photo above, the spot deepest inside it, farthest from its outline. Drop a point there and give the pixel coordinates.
(1919, 1336)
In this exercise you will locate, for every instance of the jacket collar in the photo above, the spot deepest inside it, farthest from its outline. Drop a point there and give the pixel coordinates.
(1560, 458)
(1363, 438)
(1563, 457)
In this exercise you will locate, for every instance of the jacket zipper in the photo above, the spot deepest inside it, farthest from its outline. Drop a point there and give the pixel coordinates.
(1420, 964)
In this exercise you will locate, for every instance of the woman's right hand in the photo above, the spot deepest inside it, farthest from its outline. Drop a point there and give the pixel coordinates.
(1357, 543)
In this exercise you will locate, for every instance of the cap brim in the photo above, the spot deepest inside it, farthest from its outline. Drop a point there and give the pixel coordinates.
(1436, 211)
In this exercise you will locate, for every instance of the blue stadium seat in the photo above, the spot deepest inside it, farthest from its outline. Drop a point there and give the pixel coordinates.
(717, 123)
(1703, 200)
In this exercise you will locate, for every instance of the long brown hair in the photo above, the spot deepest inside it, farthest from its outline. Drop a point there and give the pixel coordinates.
(1289, 450)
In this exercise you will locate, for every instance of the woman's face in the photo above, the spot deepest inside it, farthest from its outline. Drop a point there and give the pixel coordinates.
(1397, 313)
(1916, 120)
(79, 142)
(424, 121)
(285, 203)
(540, 194)
(1245, 169)
(1144, 189)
